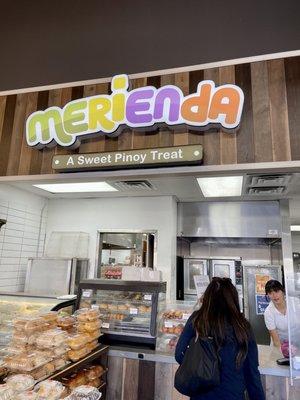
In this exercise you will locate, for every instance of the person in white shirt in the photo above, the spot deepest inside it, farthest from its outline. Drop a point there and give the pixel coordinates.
(275, 314)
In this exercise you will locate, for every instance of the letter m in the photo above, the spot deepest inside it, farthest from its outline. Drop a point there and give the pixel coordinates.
(43, 126)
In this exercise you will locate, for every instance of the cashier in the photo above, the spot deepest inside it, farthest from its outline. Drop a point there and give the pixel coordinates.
(275, 314)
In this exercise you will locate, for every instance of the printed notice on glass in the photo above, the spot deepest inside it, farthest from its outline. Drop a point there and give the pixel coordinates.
(201, 283)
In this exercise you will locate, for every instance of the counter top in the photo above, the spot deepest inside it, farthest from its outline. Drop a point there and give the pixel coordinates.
(267, 358)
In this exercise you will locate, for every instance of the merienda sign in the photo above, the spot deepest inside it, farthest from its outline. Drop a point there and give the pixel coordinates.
(145, 107)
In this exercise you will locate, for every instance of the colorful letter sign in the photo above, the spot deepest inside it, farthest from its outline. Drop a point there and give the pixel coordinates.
(145, 107)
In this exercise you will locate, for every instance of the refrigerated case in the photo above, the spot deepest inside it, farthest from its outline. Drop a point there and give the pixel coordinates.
(128, 309)
(17, 305)
(55, 276)
(255, 278)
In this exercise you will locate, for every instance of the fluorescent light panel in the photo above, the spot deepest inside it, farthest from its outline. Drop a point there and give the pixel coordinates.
(295, 228)
(79, 187)
(221, 186)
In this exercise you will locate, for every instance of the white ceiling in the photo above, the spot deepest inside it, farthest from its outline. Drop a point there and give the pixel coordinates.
(184, 188)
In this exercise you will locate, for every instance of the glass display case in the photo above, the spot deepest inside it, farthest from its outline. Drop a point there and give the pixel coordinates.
(171, 320)
(128, 309)
(17, 305)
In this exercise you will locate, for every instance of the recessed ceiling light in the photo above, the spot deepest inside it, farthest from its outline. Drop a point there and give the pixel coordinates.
(221, 186)
(79, 187)
(295, 228)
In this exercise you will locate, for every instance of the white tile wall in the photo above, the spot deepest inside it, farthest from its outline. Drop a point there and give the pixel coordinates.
(22, 237)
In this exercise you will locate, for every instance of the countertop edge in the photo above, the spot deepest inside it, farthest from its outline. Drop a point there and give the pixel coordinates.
(156, 356)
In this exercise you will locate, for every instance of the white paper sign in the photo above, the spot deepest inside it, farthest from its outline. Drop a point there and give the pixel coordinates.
(201, 283)
(133, 311)
(148, 296)
(105, 325)
(168, 324)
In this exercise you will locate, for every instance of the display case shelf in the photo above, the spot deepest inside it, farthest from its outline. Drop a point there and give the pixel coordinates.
(70, 369)
(128, 308)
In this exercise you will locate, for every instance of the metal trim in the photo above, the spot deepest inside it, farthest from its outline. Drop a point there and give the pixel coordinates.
(206, 170)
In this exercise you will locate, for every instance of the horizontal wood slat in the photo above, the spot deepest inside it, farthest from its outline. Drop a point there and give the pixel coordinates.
(269, 129)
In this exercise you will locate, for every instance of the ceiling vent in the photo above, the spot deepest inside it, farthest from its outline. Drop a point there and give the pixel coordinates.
(270, 190)
(269, 180)
(133, 186)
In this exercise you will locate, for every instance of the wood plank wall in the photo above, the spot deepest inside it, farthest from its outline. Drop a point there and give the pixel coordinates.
(269, 129)
(130, 379)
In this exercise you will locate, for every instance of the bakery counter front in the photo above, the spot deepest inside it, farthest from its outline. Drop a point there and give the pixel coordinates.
(136, 373)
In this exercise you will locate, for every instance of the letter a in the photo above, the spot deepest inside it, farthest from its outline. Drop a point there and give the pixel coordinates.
(70, 161)
(226, 106)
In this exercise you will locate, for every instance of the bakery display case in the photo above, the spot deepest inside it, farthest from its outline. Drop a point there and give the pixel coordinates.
(16, 305)
(128, 309)
(171, 321)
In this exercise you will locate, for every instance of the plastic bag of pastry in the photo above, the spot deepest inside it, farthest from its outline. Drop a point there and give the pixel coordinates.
(94, 372)
(77, 341)
(50, 317)
(92, 346)
(75, 355)
(76, 380)
(59, 351)
(51, 338)
(50, 390)
(87, 314)
(21, 362)
(19, 338)
(59, 363)
(95, 382)
(49, 368)
(94, 335)
(89, 326)
(27, 396)
(20, 382)
(66, 322)
(29, 325)
(84, 392)
(6, 393)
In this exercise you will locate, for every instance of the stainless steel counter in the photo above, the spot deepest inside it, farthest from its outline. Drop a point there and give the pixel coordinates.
(267, 358)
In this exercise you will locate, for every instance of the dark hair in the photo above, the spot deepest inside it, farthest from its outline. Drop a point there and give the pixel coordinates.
(273, 286)
(220, 308)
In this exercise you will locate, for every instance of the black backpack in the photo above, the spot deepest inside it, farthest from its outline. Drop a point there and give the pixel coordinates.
(200, 369)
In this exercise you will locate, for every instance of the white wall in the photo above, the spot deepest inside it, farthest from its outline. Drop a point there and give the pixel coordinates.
(143, 213)
(22, 236)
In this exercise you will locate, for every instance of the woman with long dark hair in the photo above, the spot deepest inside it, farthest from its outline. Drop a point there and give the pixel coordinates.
(220, 317)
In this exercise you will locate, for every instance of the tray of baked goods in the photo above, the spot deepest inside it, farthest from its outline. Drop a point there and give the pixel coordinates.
(23, 387)
(47, 343)
(123, 297)
(171, 322)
